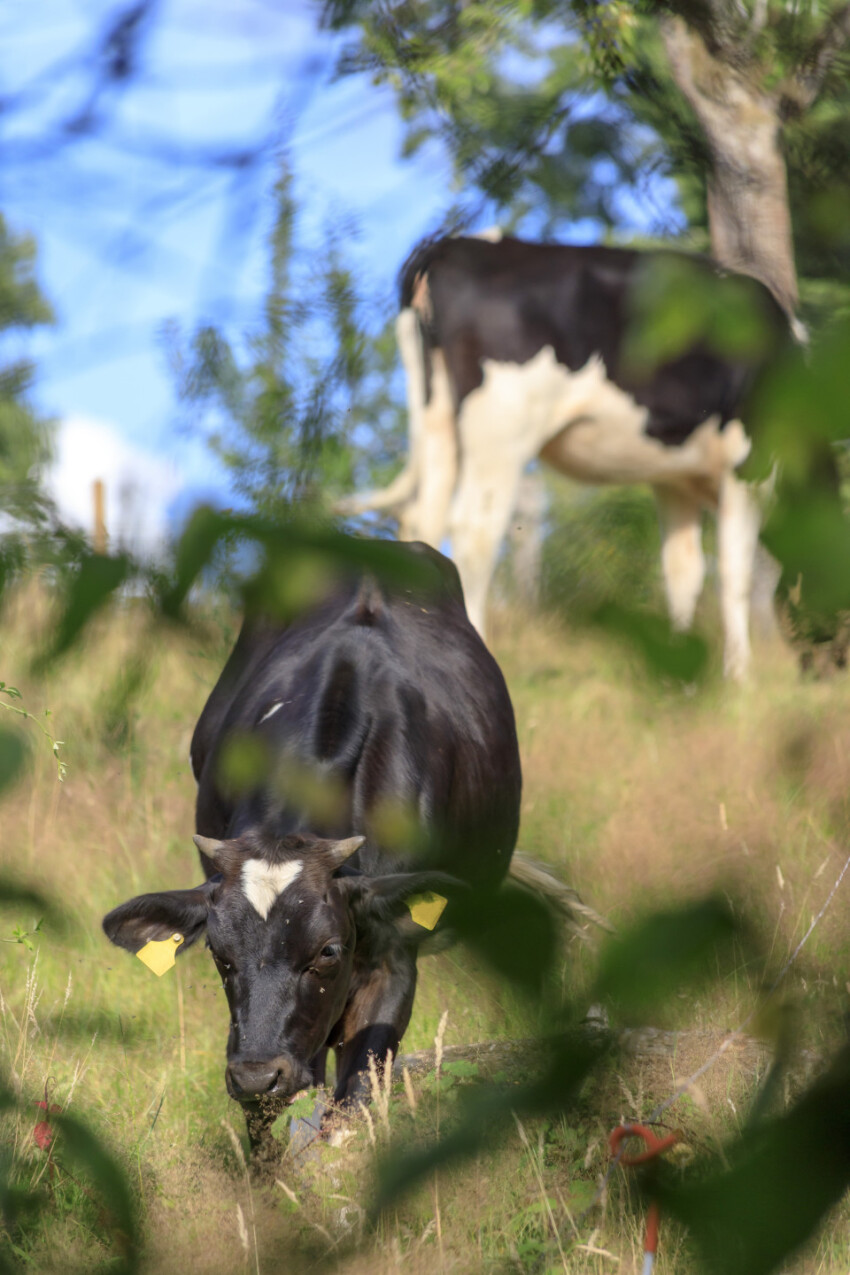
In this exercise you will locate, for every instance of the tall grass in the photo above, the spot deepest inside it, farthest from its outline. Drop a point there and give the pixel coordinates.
(639, 794)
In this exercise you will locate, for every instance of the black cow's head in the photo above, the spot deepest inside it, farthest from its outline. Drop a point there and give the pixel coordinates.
(281, 926)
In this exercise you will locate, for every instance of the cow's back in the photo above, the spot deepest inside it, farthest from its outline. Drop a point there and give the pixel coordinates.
(504, 302)
(390, 702)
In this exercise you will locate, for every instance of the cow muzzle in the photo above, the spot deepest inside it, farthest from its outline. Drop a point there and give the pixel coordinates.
(281, 1077)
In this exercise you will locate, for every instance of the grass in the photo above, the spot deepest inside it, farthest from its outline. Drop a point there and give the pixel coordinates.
(640, 795)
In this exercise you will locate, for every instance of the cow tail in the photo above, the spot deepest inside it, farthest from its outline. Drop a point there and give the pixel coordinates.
(576, 915)
(413, 347)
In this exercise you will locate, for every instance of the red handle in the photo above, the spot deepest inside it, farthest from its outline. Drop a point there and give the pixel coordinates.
(655, 1146)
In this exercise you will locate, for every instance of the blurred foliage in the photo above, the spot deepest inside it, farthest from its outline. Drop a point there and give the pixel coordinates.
(307, 403)
(76, 1159)
(749, 1204)
(680, 305)
(25, 435)
(505, 88)
(600, 544)
(298, 409)
(559, 111)
(72, 1149)
(601, 567)
(670, 953)
(752, 1206)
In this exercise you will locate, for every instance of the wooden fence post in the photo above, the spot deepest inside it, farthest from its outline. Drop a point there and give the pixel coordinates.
(99, 535)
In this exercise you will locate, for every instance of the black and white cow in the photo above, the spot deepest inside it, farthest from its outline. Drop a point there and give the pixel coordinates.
(383, 755)
(516, 350)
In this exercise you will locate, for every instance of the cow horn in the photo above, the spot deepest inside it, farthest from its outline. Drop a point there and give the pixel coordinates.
(209, 846)
(342, 850)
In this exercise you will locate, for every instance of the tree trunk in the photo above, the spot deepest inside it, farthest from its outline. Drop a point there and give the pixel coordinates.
(748, 213)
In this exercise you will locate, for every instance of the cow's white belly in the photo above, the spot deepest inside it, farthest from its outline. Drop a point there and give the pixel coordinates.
(585, 426)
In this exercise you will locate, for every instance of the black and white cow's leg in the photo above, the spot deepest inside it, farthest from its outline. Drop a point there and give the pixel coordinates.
(682, 559)
(426, 515)
(485, 499)
(738, 519)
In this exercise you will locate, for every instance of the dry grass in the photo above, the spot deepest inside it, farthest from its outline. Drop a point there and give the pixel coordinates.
(641, 796)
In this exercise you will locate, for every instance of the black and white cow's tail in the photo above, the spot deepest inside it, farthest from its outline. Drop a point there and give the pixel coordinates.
(577, 916)
(403, 487)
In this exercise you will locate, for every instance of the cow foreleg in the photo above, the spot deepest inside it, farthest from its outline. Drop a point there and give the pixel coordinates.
(682, 559)
(485, 500)
(738, 519)
(374, 1022)
(426, 516)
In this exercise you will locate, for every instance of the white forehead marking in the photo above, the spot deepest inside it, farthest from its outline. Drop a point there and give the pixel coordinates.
(272, 710)
(262, 882)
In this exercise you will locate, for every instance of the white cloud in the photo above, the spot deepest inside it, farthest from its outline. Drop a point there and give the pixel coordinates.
(140, 486)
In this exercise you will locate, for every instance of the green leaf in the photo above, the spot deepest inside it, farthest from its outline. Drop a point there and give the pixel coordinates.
(666, 653)
(783, 1177)
(301, 1108)
(91, 585)
(14, 752)
(195, 548)
(14, 893)
(663, 954)
(86, 1154)
(512, 930)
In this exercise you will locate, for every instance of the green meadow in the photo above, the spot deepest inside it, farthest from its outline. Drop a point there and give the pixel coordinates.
(639, 793)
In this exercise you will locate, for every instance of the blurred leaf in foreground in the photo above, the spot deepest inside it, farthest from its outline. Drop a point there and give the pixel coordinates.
(662, 954)
(669, 950)
(87, 1155)
(299, 561)
(512, 930)
(486, 1115)
(89, 586)
(17, 894)
(667, 653)
(782, 1178)
(14, 752)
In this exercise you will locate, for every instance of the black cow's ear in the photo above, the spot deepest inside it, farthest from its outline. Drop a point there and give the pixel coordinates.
(158, 916)
(386, 897)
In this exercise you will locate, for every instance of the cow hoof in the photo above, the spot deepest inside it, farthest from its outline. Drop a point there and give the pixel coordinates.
(306, 1134)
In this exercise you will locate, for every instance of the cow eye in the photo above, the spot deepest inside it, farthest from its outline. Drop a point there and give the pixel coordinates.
(328, 957)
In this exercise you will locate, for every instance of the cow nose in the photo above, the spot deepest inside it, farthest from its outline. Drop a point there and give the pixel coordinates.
(248, 1080)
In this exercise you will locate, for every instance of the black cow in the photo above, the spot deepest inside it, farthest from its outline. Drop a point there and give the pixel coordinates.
(515, 350)
(384, 754)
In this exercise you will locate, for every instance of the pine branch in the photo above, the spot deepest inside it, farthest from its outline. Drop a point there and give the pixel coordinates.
(801, 89)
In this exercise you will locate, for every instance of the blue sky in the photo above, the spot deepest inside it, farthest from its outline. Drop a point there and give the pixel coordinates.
(128, 242)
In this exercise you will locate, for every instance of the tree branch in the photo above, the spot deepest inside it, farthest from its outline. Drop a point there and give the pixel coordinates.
(757, 23)
(720, 23)
(800, 90)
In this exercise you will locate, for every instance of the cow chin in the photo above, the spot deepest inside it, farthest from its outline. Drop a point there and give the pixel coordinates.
(262, 1082)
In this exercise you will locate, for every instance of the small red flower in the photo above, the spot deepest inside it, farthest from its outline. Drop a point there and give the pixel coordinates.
(43, 1135)
(43, 1132)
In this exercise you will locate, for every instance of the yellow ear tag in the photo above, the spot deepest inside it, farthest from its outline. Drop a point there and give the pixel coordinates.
(159, 955)
(426, 909)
